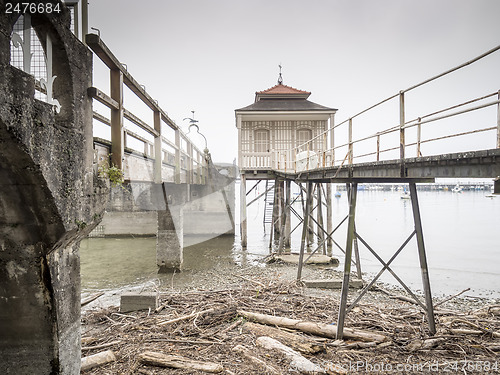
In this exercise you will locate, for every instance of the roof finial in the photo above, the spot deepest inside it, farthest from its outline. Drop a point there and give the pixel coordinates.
(280, 78)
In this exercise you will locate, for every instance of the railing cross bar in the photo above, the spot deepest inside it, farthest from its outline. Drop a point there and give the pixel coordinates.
(385, 267)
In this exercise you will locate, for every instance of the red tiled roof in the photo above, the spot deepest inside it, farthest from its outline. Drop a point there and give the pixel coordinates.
(282, 89)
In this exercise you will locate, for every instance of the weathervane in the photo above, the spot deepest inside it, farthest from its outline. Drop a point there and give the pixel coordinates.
(280, 78)
(192, 122)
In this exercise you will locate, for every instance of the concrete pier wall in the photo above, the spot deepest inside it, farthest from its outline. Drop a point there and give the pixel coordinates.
(49, 200)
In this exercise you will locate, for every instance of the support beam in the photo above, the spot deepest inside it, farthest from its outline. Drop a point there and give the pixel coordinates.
(288, 218)
(243, 210)
(329, 214)
(305, 228)
(422, 257)
(347, 263)
(319, 217)
(310, 233)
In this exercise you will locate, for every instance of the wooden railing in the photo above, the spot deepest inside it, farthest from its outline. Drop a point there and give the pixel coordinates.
(258, 160)
(178, 153)
(326, 156)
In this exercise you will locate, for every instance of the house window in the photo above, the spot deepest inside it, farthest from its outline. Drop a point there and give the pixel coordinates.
(262, 140)
(303, 136)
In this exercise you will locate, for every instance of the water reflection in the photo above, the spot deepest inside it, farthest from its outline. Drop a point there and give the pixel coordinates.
(459, 229)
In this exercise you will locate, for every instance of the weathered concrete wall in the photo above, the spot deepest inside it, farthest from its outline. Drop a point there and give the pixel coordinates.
(49, 200)
(170, 211)
(131, 212)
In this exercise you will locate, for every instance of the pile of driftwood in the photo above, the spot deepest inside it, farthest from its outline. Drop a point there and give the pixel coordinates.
(271, 327)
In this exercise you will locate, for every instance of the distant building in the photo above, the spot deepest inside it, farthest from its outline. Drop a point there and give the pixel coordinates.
(278, 126)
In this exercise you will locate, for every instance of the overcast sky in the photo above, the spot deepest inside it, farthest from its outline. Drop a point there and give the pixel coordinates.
(212, 56)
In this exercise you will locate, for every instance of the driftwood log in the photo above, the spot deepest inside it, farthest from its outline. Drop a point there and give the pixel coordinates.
(89, 299)
(319, 329)
(185, 317)
(175, 361)
(302, 344)
(298, 362)
(97, 360)
(261, 364)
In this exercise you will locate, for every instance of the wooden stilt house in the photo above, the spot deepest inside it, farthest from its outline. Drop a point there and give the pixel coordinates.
(276, 127)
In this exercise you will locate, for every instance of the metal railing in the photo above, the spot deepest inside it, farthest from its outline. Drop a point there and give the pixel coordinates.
(325, 157)
(179, 153)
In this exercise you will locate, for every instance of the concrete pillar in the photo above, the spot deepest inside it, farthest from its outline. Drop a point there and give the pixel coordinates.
(169, 238)
(496, 186)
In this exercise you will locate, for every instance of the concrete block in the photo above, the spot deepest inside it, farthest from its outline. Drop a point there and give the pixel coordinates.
(332, 283)
(315, 259)
(138, 301)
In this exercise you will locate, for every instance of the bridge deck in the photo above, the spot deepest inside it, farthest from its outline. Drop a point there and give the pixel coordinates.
(474, 164)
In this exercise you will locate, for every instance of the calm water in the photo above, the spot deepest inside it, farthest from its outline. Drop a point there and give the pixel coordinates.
(460, 230)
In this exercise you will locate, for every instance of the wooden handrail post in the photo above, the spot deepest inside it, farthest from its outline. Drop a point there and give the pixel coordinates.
(157, 148)
(117, 134)
(401, 125)
(177, 156)
(351, 151)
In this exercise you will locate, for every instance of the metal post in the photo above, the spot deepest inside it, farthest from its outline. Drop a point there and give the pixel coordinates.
(305, 228)
(243, 210)
(27, 43)
(329, 215)
(423, 259)
(498, 121)
(276, 210)
(378, 147)
(284, 219)
(85, 19)
(157, 147)
(350, 158)
(419, 137)
(319, 218)
(288, 219)
(348, 259)
(355, 244)
(332, 137)
(401, 125)
(356, 256)
(117, 135)
(310, 235)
